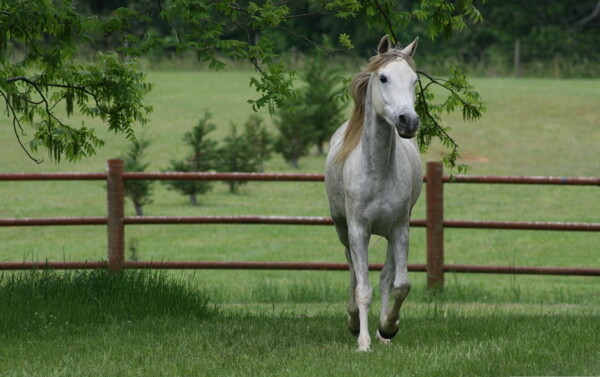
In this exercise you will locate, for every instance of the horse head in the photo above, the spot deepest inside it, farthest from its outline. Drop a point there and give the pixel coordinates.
(393, 87)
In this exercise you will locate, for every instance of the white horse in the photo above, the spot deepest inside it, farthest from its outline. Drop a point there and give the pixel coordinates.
(373, 178)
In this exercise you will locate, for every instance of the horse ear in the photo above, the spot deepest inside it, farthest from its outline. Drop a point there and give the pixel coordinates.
(384, 45)
(411, 48)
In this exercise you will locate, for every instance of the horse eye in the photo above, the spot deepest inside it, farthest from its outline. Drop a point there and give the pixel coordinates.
(383, 79)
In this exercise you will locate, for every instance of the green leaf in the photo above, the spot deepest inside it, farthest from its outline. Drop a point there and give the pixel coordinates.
(345, 41)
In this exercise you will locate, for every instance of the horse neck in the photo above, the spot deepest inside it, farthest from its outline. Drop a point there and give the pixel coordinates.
(378, 139)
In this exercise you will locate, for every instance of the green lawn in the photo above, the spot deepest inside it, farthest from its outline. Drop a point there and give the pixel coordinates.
(293, 323)
(148, 324)
(485, 342)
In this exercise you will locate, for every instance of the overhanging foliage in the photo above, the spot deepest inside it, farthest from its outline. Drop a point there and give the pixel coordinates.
(39, 42)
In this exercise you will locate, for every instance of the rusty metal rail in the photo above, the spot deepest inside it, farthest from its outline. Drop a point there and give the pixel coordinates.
(210, 176)
(294, 266)
(53, 176)
(291, 220)
(434, 223)
(200, 176)
(522, 225)
(530, 180)
(163, 176)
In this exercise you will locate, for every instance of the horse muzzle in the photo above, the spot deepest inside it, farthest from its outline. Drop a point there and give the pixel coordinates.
(407, 126)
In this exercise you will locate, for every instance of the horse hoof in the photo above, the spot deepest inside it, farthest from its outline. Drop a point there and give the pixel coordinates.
(364, 344)
(382, 340)
(387, 335)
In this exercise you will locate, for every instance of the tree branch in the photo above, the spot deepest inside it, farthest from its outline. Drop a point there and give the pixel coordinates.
(48, 108)
(315, 44)
(35, 84)
(309, 14)
(387, 21)
(17, 126)
(437, 81)
(432, 119)
(587, 19)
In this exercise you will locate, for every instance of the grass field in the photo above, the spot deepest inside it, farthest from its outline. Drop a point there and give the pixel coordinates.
(148, 324)
(293, 323)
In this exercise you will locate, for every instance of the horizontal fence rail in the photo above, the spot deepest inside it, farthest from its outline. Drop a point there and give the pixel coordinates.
(434, 223)
(292, 220)
(530, 180)
(53, 176)
(292, 266)
(165, 220)
(288, 220)
(203, 176)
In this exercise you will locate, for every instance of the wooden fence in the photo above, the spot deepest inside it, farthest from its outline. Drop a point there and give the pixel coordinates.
(115, 221)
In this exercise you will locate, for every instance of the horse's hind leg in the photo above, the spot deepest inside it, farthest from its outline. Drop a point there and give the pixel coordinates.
(398, 250)
(353, 320)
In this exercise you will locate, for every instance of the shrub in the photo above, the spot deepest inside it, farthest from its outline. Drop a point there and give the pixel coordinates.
(313, 116)
(201, 159)
(140, 192)
(245, 152)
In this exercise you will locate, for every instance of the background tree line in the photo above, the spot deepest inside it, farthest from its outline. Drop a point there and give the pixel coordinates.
(558, 38)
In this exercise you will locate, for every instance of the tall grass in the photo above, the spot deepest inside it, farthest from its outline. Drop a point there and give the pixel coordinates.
(35, 301)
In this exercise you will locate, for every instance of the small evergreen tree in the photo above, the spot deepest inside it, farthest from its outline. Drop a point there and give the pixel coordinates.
(259, 139)
(234, 157)
(321, 100)
(314, 115)
(295, 134)
(201, 159)
(189, 188)
(245, 152)
(140, 192)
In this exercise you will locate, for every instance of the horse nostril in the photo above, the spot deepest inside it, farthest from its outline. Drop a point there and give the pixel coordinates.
(403, 119)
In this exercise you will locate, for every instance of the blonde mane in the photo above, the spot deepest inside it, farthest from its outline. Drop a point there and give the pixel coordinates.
(358, 91)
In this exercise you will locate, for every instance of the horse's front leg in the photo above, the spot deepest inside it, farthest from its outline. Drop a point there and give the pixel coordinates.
(353, 320)
(385, 285)
(398, 251)
(363, 293)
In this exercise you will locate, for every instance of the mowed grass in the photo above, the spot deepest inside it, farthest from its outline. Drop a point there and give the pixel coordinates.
(142, 323)
(293, 323)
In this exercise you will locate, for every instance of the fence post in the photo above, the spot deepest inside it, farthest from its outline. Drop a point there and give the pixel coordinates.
(435, 227)
(115, 195)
